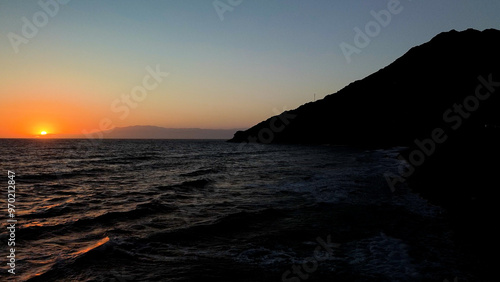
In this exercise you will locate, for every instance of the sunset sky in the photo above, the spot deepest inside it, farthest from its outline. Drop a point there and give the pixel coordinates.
(69, 67)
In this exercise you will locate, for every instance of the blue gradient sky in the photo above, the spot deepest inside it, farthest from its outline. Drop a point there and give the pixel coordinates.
(264, 55)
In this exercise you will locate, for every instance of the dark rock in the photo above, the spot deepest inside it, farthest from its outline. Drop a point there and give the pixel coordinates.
(404, 101)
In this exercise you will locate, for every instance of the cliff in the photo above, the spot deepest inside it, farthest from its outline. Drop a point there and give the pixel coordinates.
(400, 102)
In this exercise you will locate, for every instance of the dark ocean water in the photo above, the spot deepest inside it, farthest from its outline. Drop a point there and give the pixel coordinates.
(172, 210)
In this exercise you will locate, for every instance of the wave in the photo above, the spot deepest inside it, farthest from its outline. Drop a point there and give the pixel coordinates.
(105, 219)
(139, 212)
(128, 159)
(62, 267)
(48, 212)
(382, 256)
(200, 172)
(56, 175)
(197, 184)
(224, 224)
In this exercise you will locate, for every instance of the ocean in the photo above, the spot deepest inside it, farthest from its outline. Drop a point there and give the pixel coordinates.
(208, 210)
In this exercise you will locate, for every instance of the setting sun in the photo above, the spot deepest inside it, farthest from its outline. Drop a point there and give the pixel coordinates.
(43, 133)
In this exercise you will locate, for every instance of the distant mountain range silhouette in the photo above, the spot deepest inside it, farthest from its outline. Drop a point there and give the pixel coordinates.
(155, 132)
(398, 103)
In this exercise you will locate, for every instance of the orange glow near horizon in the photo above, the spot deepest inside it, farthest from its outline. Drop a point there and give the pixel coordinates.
(28, 119)
(62, 119)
